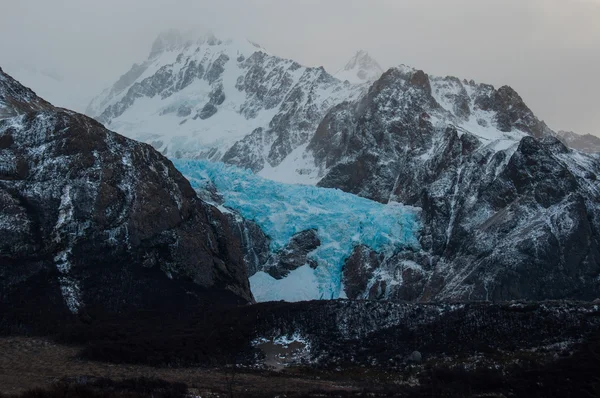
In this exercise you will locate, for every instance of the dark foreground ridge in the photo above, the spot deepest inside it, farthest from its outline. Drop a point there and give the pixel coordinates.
(346, 348)
(93, 222)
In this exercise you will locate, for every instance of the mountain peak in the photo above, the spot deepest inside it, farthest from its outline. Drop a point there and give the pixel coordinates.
(16, 99)
(360, 69)
(174, 39)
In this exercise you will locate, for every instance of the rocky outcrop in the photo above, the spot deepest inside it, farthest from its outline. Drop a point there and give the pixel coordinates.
(260, 257)
(358, 271)
(294, 255)
(509, 215)
(93, 220)
(510, 111)
(16, 100)
(255, 243)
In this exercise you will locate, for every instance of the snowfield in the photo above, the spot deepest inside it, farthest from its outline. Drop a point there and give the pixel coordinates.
(342, 221)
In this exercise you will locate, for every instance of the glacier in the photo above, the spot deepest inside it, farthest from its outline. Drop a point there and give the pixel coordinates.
(342, 221)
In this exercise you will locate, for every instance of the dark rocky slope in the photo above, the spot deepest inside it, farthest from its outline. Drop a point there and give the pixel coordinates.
(348, 332)
(509, 216)
(94, 222)
(344, 336)
(344, 348)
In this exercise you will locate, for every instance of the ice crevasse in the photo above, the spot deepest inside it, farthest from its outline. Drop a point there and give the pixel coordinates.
(342, 221)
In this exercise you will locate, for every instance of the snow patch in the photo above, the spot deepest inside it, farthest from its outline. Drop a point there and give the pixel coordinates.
(300, 285)
(297, 168)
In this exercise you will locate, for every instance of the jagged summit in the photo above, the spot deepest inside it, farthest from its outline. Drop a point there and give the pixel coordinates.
(360, 69)
(174, 40)
(172, 47)
(221, 100)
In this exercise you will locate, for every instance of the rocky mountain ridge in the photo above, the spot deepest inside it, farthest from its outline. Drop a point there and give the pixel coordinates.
(92, 221)
(509, 212)
(232, 101)
(220, 100)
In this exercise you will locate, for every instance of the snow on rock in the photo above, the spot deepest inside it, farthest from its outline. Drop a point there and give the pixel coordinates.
(61, 89)
(86, 211)
(221, 100)
(490, 178)
(341, 220)
(232, 101)
(502, 200)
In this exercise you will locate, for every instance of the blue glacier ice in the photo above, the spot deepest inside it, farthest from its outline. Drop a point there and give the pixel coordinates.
(342, 220)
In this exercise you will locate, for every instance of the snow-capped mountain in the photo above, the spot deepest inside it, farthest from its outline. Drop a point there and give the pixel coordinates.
(582, 142)
(231, 101)
(94, 221)
(403, 109)
(362, 68)
(221, 100)
(508, 211)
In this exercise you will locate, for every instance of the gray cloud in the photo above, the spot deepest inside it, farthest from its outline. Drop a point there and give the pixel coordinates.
(548, 50)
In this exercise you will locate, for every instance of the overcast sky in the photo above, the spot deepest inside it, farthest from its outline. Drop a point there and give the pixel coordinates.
(548, 50)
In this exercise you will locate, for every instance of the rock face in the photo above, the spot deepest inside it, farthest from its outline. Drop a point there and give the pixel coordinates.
(508, 211)
(93, 220)
(293, 255)
(255, 243)
(585, 143)
(220, 100)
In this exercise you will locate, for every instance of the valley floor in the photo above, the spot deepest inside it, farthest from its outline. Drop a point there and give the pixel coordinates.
(37, 367)
(322, 348)
(29, 363)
